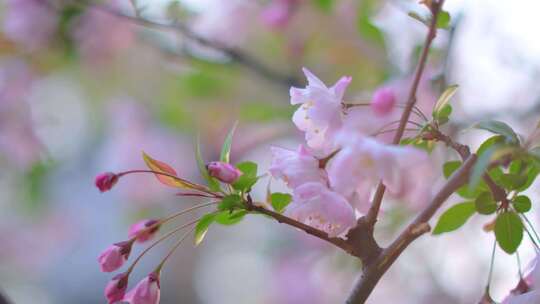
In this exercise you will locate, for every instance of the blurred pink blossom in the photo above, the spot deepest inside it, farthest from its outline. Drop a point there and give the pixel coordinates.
(296, 167)
(225, 22)
(383, 101)
(101, 36)
(18, 142)
(278, 13)
(316, 205)
(30, 23)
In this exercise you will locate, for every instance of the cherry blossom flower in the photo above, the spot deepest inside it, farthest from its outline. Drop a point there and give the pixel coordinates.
(116, 288)
(114, 256)
(528, 289)
(224, 172)
(316, 205)
(105, 181)
(362, 162)
(141, 231)
(296, 167)
(320, 112)
(146, 292)
(29, 23)
(383, 101)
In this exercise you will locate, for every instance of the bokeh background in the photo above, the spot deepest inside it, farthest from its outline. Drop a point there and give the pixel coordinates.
(84, 91)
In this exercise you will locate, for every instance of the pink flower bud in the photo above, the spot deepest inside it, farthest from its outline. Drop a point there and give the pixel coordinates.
(114, 256)
(383, 101)
(141, 230)
(116, 288)
(106, 181)
(146, 292)
(224, 172)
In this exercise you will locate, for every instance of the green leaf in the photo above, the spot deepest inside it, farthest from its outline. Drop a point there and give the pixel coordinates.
(454, 217)
(444, 99)
(443, 20)
(450, 167)
(225, 155)
(499, 127)
(229, 218)
(522, 203)
(512, 181)
(324, 5)
(497, 140)
(465, 191)
(230, 202)
(202, 227)
(480, 167)
(508, 231)
(485, 204)
(280, 201)
(248, 178)
(535, 152)
(213, 184)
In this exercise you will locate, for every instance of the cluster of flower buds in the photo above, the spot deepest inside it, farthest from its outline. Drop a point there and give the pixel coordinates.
(147, 291)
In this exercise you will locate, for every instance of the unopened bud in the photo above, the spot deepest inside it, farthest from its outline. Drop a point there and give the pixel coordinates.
(224, 172)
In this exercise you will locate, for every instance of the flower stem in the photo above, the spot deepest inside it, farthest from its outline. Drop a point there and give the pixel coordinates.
(173, 249)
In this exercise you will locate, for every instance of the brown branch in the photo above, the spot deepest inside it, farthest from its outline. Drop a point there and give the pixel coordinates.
(373, 212)
(374, 271)
(338, 242)
(234, 54)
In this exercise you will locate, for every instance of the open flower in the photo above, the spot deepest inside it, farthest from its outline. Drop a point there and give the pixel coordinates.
(146, 292)
(141, 231)
(296, 167)
(116, 288)
(316, 205)
(362, 162)
(114, 256)
(320, 112)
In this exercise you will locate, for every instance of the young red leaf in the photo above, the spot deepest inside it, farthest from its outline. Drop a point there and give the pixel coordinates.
(171, 180)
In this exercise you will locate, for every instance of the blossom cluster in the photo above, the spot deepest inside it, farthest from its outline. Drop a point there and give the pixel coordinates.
(334, 173)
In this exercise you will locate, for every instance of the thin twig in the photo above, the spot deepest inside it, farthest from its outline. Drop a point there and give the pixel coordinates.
(373, 212)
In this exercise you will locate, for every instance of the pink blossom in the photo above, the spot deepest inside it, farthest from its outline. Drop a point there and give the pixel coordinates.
(105, 181)
(18, 140)
(315, 205)
(146, 292)
(225, 22)
(114, 256)
(116, 288)
(278, 13)
(141, 231)
(383, 101)
(362, 162)
(29, 23)
(296, 167)
(224, 172)
(101, 35)
(528, 288)
(320, 115)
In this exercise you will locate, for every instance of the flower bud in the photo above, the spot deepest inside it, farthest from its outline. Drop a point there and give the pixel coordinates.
(141, 230)
(106, 181)
(383, 101)
(114, 256)
(116, 288)
(224, 172)
(146, 292)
